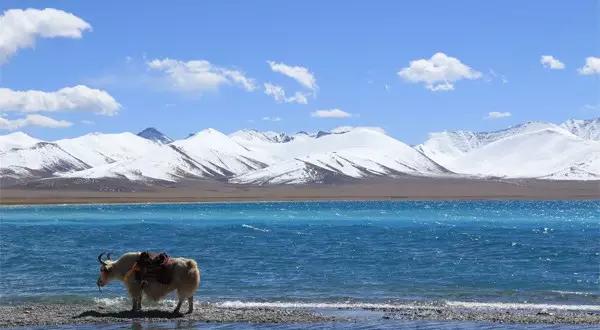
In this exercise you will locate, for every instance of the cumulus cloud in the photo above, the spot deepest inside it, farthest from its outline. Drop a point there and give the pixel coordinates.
(278, 94)
(200, 75)
(438, 73)
(330, 113)
(267, 118)
(299, 73)
(20, 28)
(33, 120)
(77, 98)
(550, 62)
(498, 115)
(592, 66)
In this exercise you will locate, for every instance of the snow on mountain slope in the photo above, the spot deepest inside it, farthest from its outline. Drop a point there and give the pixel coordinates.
(155, 135)
(445, 147)
(251, 135)
(219, 153)
(168, 163)
(585, 170)
(585, 129)
(531, 154)
(16, 140)
(98, 149)
(357, 153)
(44, 158)
(293, 171)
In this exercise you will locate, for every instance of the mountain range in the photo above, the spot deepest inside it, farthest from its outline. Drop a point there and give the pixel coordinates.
(540, 150)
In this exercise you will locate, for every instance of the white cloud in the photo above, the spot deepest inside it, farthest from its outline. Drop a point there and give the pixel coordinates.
(550, 62)
(20, 28)
(267, 118)
(498, 115)
(591, 107)
(330, 113)
(87, 122)
(438, 73)
(200, 75)
(495, 75)
(279, 95)
(77, 98)
(33, 120)
(299, 73)
(592, 66)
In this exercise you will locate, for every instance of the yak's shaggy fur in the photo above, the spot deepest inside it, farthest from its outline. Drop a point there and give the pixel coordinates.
(186, 279)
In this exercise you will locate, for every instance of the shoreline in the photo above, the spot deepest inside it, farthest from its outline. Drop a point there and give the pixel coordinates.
(47, 314)
(265, 201)
(409, 189)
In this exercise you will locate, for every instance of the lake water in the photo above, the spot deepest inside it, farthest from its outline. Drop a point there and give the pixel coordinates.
(316, 252)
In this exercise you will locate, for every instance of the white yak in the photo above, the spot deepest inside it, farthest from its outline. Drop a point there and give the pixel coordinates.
(183, 276)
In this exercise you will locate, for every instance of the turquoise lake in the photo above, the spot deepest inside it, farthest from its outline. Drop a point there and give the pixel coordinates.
(316, 252)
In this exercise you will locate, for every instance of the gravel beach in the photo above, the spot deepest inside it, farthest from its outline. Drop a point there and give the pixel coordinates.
(63, 314)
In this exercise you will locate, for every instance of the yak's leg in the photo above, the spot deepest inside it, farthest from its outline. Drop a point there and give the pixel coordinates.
(190, 305)
(135, 292)
(176, 311)
(136, 304)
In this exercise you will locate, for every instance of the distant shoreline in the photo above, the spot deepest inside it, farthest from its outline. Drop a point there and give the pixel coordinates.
(215, 192)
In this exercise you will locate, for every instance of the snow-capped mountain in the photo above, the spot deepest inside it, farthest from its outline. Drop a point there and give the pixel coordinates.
(533, 149)
(250, 135)
(16, 140)
(98, 149)
(585, 129)
(568, 151)
(531, 154)
(40, 160)
(356, 153)
(172, 165)
(155, 135)
(445, 147)
(219, 152)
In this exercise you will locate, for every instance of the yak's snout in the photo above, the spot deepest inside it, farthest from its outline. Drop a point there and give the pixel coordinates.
(100, 282)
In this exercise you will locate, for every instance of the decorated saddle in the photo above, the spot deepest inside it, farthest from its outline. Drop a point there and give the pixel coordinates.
(156, 267)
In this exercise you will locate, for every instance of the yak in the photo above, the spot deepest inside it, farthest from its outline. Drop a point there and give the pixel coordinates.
(171, 274)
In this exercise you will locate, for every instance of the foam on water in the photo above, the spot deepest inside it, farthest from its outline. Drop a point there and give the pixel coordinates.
(124, 302)
(498, 305)
(255, 228)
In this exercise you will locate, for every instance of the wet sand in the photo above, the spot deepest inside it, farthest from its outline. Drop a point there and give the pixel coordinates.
(410, 188)
(71, 314)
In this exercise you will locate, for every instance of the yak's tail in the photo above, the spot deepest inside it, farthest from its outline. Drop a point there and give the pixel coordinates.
(193, 271)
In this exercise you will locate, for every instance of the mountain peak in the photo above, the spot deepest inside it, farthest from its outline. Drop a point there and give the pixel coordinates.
(155, 135)
(588, 129)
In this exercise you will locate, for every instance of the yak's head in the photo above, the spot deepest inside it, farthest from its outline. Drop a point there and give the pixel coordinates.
(107, 272)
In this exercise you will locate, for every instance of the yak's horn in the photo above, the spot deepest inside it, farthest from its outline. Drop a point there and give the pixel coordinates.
(100, 259)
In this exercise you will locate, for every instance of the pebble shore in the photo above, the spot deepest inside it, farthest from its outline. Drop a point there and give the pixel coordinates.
(36, 314)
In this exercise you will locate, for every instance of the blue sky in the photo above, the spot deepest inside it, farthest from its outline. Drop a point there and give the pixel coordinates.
(353, 50)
